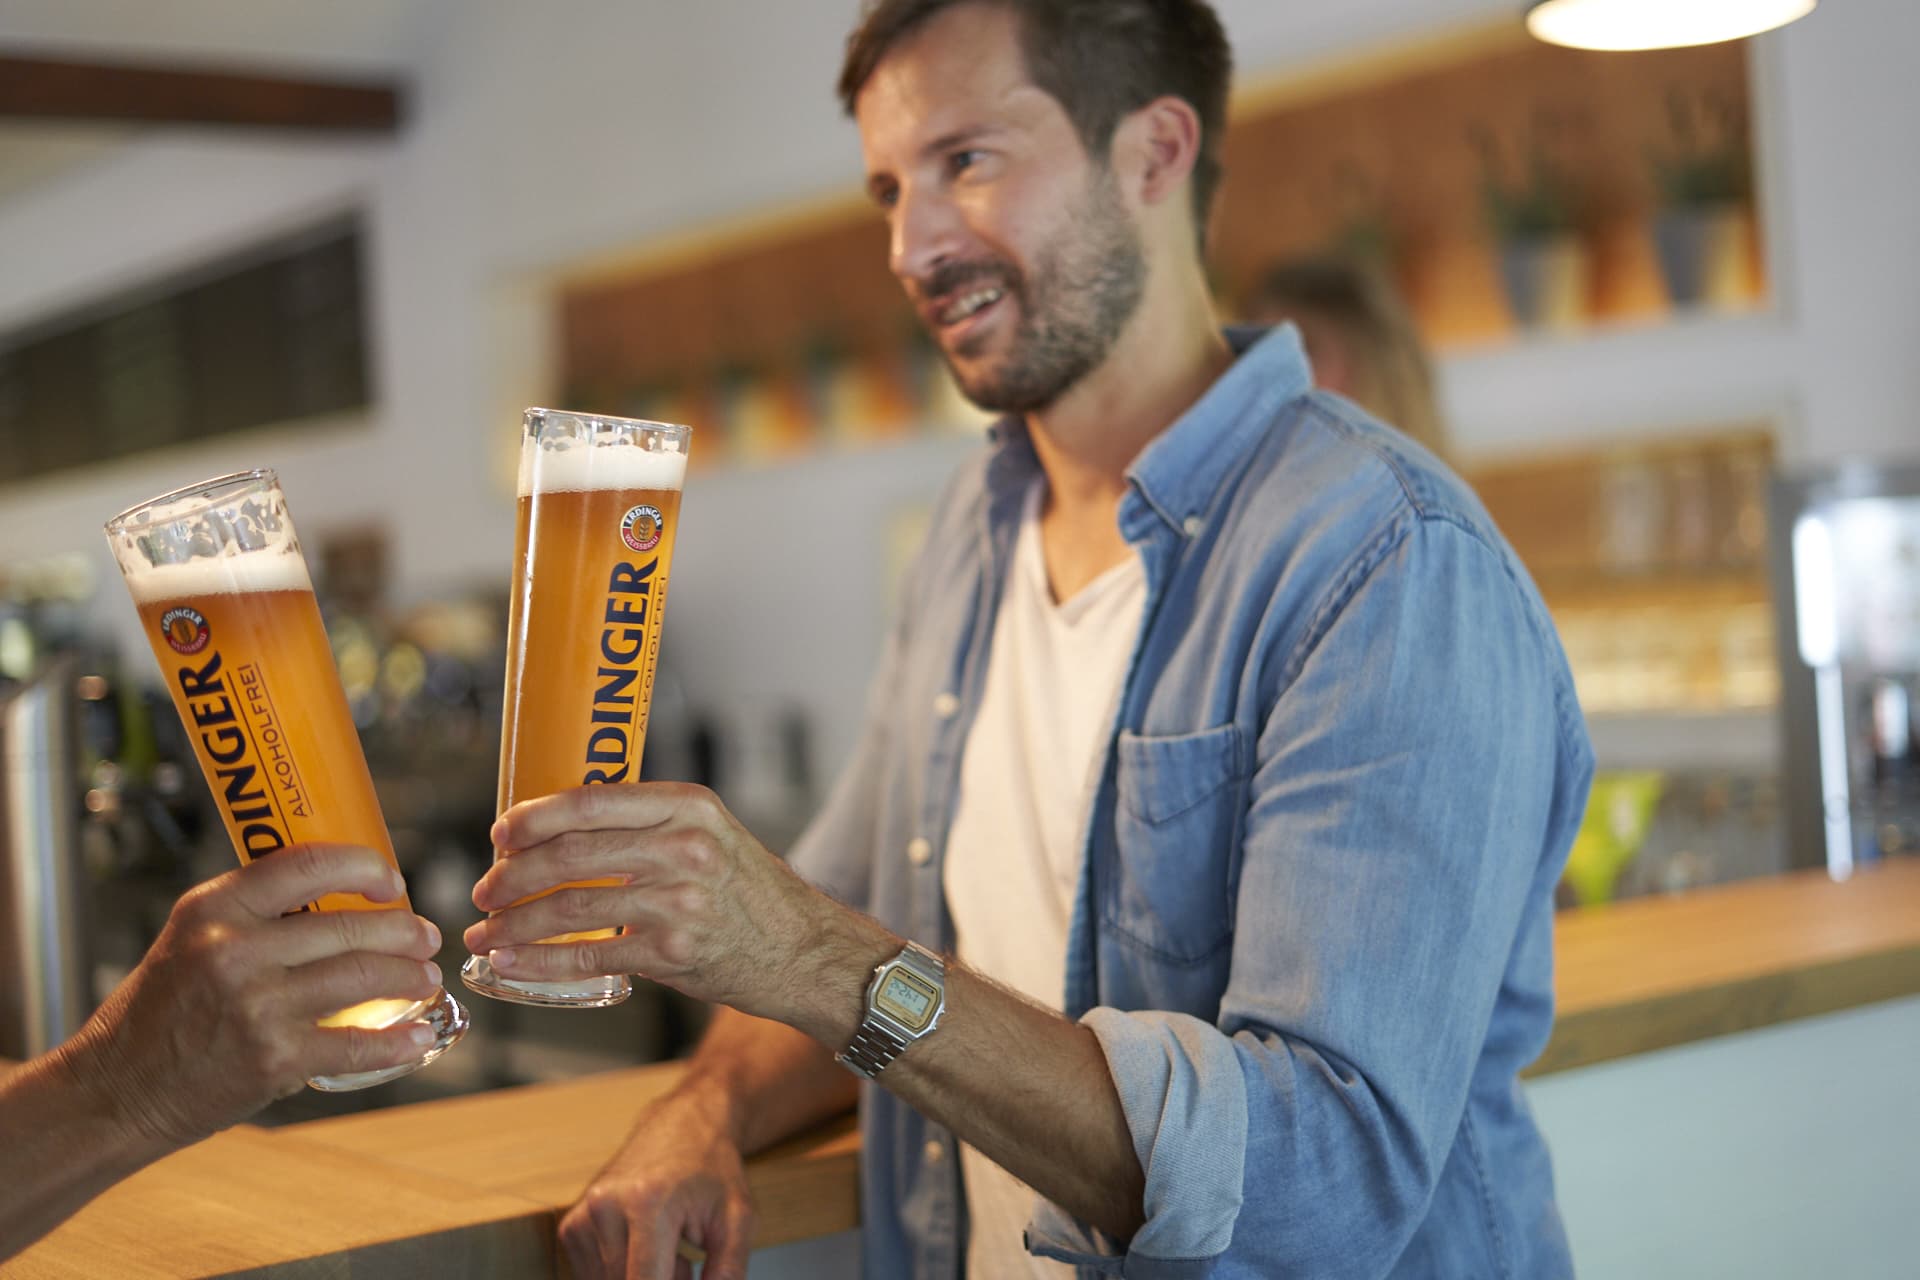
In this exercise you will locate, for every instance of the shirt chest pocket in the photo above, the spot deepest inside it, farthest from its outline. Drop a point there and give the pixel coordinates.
(1181, 805)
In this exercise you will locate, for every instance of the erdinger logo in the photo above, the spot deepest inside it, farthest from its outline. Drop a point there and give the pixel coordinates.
(185, 629)
(640, 528)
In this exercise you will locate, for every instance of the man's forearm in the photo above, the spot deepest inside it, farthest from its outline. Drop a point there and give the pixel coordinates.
(1021, 1084)
(62, 1142)
(775, 1080)
(1032, 1092)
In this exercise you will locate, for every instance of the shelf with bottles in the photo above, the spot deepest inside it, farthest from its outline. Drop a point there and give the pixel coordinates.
(1675, 827)
(831, 398)
(1651, 557)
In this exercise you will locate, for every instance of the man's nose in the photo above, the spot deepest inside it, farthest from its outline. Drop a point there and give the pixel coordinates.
(927, 231)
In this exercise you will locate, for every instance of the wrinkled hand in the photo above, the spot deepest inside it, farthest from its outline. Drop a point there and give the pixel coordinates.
(219, 1018)
(706, 908)
(679, 1177)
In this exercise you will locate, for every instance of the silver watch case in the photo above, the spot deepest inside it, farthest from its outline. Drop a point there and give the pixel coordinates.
(882, 1036)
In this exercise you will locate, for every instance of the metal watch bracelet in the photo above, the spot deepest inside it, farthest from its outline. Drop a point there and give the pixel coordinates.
(882, 1035)
(873, 1047)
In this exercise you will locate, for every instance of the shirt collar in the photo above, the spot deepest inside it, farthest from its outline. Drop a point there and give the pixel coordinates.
(1182, 468)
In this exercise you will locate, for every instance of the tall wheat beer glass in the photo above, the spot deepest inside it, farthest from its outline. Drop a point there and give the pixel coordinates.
(599, 508)
(224, 599)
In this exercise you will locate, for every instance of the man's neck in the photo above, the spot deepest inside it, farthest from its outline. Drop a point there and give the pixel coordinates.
(1169, 354)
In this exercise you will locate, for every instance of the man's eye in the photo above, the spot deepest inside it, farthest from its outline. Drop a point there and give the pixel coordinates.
(960, 161)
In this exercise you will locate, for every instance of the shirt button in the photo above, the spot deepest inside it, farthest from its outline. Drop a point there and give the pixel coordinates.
(945, 705)
(1194, 525)
(919, 851)
(933, 1152)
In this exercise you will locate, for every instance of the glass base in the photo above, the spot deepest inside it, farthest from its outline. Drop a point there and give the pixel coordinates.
(439, 1011)
(587, 993)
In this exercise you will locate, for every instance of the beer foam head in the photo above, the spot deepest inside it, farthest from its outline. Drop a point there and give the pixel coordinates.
(274, 570)
(585, 467)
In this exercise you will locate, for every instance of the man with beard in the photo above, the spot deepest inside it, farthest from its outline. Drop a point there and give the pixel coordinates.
(1216, 779)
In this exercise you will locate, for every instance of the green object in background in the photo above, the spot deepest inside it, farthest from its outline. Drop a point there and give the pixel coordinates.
(1619, 812)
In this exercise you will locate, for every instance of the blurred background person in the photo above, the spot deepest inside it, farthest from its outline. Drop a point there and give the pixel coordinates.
(1360, 337)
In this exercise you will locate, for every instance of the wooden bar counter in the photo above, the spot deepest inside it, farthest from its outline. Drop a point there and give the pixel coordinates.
(473, 1186)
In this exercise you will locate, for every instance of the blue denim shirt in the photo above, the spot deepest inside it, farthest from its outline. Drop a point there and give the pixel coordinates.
(1313, 931)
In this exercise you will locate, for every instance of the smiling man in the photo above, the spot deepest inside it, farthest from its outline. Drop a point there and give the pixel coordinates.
(1187, 903)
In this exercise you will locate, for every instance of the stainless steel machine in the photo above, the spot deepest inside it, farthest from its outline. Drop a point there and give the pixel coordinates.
(1846, 569)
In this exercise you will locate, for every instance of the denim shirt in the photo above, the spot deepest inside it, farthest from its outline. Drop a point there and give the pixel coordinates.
(1313, 930)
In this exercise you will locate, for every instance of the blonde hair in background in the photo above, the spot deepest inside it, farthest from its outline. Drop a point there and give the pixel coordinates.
(1353, 306)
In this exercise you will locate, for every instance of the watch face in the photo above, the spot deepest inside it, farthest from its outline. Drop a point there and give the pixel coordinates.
(907, 999)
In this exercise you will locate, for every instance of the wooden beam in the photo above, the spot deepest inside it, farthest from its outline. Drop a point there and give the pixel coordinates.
(47, 89)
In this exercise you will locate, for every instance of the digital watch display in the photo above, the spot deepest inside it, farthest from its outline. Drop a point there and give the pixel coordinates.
(904, 1002)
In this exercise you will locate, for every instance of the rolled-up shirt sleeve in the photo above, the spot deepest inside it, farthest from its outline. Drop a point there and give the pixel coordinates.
(1400, 810)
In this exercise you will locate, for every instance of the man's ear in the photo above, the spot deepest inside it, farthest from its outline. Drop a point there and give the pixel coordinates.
(1156, 147)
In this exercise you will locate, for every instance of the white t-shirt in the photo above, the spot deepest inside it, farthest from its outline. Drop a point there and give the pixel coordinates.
(1026, 787)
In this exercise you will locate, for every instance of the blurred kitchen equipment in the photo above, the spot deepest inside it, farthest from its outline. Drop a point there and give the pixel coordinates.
(45, 980)
(1846, 567)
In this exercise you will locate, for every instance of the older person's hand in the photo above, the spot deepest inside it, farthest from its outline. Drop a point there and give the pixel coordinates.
(221, 1017)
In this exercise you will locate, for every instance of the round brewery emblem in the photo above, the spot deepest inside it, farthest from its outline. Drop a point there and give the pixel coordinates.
(640, 528)
(185, 629)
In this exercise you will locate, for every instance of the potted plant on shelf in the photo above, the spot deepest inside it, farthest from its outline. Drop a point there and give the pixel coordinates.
(1544, 262)
(1703, 229)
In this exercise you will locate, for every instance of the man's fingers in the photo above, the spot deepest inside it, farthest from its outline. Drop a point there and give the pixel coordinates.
(561, 961)
(564, 912)
(635, 806)
(580, 1237)
(345, 1051)
(658, 1257)
(559, 861)
(727, 1250)
(280, 882)
(314, 935)
(323, 988)
(610, 1232)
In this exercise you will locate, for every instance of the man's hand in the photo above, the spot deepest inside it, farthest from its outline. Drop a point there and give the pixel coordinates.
(679, 1177)
(219, 1018)
(706, 909)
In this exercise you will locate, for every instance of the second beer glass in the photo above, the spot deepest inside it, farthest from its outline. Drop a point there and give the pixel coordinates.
(599, 506)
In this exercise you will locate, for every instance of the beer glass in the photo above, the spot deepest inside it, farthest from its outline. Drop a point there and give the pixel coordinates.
(216, 574)
(599, 507)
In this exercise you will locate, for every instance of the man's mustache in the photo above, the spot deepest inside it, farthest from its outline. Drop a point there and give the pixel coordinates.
(955, 277)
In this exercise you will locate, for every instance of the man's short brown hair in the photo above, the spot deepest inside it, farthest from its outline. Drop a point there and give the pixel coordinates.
(1100, 59)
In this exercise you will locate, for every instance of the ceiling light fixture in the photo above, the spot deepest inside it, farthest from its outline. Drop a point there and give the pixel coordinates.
(1657, 24)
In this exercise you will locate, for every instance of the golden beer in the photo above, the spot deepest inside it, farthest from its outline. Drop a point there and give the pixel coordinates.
(226, 604)
(598, 512)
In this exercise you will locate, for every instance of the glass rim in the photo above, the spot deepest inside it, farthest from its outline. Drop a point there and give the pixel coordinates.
(232, 481)
(537, 415)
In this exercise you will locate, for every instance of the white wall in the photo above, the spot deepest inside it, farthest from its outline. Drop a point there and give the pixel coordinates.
(1787, 1153)
(543, 133)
